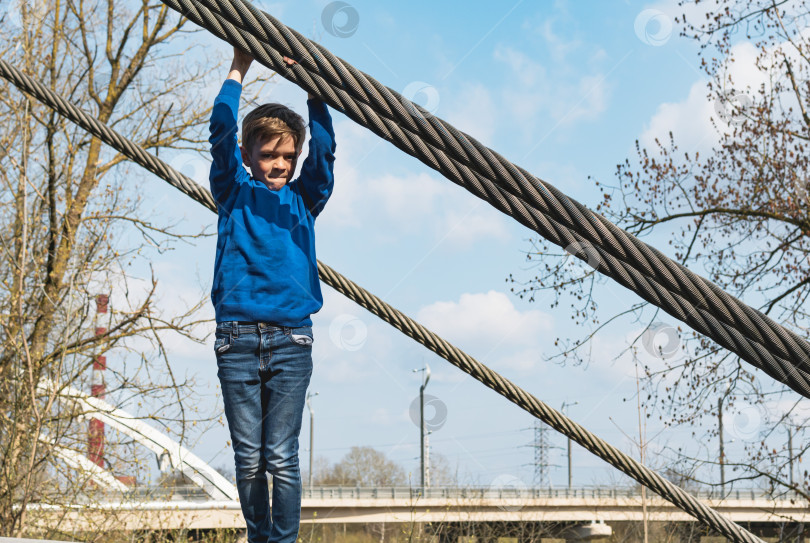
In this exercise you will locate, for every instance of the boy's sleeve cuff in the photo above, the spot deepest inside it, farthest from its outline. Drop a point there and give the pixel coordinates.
(231, 88)
(317, 109)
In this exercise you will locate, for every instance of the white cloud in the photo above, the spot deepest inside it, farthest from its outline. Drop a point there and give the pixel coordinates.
(593, 93)
(690, 120)
(407, 204)
(473, 111)
(564, 99)
(407, 199)
(559, 47)
(531, 76)
(479, 221)
(422, 203)
(490, 325)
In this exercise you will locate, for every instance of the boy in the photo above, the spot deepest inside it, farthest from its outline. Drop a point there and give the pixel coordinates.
(265, 289)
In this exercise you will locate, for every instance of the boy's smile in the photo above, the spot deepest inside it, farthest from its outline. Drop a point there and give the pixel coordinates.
(272, 161)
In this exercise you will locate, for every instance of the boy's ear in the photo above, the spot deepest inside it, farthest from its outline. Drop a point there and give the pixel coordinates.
(245, 156)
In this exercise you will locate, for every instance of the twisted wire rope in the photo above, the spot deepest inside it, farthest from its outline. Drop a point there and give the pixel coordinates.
(526, 401)
(474, 154)
(753, 336)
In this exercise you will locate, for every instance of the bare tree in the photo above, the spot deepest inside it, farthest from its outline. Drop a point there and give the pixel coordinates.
(739, 215)
(73, 225)
(363, 466)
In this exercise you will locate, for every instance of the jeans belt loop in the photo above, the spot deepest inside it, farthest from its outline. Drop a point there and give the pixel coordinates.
(235, 329)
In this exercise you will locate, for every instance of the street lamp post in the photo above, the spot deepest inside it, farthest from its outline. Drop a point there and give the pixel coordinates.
(722, 452)
(423, 444)
(790, 455)
(426, 483)
(562, 409)
(311, 436)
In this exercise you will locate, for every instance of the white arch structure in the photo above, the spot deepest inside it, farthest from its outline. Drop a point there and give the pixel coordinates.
(198, 471)
(81, 463)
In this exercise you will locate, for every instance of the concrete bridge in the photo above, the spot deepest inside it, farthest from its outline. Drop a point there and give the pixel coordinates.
(211, 502)
(451, 507)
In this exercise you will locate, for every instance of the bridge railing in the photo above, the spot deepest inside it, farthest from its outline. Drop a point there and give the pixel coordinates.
(481, 493)
(191, 493)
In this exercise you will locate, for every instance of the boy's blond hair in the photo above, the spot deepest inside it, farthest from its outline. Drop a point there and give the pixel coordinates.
(270, 120)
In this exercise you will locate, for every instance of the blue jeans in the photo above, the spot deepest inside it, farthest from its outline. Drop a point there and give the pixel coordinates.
(264, 371)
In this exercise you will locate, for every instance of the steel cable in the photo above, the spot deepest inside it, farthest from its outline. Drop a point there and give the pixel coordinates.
(400, 321)
(444, 137)
(753, 336)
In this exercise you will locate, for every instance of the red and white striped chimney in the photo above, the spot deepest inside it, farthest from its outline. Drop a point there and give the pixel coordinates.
(95, 438)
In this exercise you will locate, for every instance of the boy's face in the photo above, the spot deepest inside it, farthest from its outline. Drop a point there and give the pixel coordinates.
(272, 160)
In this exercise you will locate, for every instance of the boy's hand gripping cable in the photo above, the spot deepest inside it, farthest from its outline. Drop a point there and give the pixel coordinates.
(642, 474)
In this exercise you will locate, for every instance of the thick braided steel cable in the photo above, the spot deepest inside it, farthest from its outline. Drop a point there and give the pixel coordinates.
(399, 320)
(708, 309)
(108, 135)
(390, 104)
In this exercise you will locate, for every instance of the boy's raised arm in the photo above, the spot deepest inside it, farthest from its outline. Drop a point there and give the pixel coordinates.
(317, 173)
(239, 66)
(226, 157)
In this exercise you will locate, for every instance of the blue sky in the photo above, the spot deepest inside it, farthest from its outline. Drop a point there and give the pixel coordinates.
(562, 89)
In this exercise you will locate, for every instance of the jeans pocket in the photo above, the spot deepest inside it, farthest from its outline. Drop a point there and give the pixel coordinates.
(222, 343)
(301, 339)
(301, 336)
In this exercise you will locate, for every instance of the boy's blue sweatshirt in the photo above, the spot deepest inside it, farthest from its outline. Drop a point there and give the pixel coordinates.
(265, 268)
